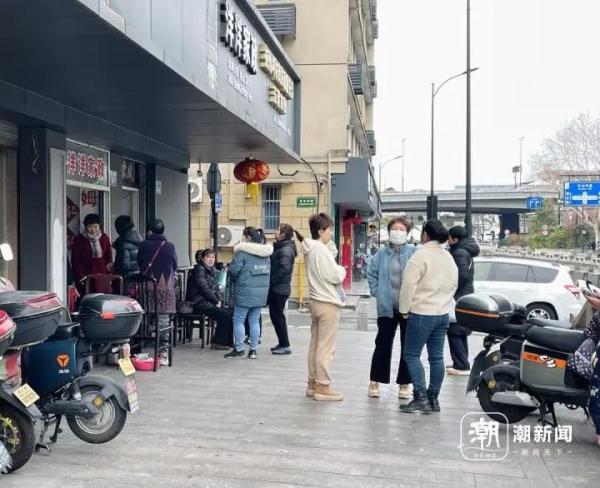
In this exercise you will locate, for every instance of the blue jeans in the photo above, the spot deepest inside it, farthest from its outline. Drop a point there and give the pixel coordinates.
(239, 316)
(427, 330)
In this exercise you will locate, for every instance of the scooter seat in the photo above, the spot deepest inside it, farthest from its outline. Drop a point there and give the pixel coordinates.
(512, 329)
(66, 331)
(550, 323)
(564, 340)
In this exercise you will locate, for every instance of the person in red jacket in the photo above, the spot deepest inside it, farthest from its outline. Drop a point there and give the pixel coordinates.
(91, 254)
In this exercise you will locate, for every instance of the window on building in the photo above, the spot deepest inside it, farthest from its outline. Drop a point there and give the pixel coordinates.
(271, 206)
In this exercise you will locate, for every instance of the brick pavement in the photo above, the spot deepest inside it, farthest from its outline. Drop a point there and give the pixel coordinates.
(239, 423)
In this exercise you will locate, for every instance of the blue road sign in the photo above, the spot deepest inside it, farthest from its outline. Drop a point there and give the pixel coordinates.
(582, 193)
(534, 203)
(218, 202)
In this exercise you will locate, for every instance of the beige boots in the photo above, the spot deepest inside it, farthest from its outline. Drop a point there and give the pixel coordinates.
(322, 393)
(374, 389)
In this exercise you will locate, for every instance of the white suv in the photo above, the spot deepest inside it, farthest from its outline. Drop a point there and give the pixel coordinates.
(545, 289)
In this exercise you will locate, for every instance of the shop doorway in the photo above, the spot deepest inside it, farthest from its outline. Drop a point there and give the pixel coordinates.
(9, 213)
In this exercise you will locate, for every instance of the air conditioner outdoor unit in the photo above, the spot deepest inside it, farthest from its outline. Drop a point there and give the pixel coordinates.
(229, 235)
(195, 189)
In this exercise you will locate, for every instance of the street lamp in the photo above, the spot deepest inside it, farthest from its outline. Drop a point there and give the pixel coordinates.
(432, 199)
(381, 166)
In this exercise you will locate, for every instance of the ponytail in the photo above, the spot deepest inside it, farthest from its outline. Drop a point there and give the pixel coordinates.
(255, 235)
(299, 236)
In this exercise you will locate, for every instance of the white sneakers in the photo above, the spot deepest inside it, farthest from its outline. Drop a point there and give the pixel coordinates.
(374, 389)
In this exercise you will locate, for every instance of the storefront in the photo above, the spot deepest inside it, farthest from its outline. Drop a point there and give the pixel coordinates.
(112, 125)
(9, 222)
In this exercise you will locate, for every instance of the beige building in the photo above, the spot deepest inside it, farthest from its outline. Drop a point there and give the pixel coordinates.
(331, 43)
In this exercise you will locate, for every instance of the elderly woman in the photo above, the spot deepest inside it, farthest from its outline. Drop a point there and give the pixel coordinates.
(91, 254)
(430, 281)
(385, 278)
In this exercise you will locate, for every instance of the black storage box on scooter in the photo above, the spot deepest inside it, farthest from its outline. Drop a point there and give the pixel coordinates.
(105, 318)
(7, 332)
(487, 313)
(35, 313)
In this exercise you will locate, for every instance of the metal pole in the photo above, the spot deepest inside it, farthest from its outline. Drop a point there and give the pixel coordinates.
(432, 134)
(468, 216)
(381, 199)
(521, 161)
(403, 159)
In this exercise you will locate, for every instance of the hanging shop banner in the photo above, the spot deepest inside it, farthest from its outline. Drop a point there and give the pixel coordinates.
(86, 164)
(128, 173)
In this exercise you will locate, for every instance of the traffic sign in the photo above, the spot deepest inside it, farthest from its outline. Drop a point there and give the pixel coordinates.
(218, 202)
(582, 193)
(534, 203)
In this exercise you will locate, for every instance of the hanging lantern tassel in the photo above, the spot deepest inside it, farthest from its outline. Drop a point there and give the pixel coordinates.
(252, 191)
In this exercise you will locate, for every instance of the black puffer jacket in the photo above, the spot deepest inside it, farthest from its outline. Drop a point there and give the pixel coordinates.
(463, 253)
(126, 247)
(202, 289)
(282, 266)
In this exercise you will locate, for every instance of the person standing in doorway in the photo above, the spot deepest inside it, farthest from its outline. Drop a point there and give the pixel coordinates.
(429, 283)
(385, 279)
(282, 268)
(250, 270)
(91, 255)
(157, 259)
(463, 249)
(126, 248)
(324, 277)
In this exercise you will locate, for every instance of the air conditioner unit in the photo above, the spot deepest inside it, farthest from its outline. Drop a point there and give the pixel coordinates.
(195, 189)
(229, 235)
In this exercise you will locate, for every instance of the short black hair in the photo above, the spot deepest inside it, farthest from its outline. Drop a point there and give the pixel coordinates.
(123, 224)
(436, 231)
(91, 219)
(317, 222)
(203, 253)
(458, 232)
(156, 226)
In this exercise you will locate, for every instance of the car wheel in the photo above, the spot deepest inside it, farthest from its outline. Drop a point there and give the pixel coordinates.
(541, 311)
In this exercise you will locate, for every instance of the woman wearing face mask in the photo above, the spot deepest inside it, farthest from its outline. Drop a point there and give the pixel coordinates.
(385, 279)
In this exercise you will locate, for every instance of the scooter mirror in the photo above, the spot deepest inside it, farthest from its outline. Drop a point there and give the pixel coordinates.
(6, 252)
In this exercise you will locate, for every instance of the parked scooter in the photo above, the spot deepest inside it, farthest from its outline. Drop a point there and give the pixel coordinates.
(17, 437)
(531, 374)
(57, 358)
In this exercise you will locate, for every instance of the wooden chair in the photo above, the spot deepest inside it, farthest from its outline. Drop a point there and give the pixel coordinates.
(103, 283)
(145, 292)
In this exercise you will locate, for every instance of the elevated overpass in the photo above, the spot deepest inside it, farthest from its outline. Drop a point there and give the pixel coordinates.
(500, 200)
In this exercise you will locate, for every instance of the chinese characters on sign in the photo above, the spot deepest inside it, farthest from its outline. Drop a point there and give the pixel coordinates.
(282, 88)
(306, 202)
(582, 193)
(485, 439)
(86, 165)
(237, 37)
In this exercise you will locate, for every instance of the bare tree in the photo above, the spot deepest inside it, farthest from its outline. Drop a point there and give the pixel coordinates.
(574, 150)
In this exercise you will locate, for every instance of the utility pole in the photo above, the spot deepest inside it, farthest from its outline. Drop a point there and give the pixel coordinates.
(468, 216)
(403, 160)
(521, 161)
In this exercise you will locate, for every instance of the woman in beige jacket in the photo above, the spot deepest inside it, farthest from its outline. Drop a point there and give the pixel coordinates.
(429, 283)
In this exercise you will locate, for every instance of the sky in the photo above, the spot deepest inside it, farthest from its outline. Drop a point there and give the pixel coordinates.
(539, 66)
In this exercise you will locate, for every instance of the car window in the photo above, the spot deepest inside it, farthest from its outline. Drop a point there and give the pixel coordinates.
(482, 270)
(544, 275)
(515, 273)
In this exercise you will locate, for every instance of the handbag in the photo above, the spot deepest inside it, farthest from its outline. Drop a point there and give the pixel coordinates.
(582, 360)
(228, 292)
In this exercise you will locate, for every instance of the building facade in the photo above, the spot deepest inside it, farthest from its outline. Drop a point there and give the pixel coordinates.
(105, 103)
(332, 47)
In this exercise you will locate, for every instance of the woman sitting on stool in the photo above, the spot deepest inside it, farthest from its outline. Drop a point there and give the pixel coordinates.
(207, 299)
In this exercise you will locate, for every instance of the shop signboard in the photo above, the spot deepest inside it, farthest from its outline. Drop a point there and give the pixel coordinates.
(86, 165)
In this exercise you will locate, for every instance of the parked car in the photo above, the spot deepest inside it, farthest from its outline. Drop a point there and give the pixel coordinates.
(545, 289)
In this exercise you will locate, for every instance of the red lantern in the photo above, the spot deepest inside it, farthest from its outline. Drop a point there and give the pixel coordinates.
(251, 171)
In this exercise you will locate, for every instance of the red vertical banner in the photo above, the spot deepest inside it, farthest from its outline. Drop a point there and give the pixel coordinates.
(346, 251)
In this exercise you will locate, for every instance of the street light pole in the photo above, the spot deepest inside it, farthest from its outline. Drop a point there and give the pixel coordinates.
(381, 166)
(432, 203)
(468, 216)
(521, 161)
(403, 161)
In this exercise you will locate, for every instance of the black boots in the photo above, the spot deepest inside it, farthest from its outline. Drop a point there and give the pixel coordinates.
(433, 402)
(419, 403)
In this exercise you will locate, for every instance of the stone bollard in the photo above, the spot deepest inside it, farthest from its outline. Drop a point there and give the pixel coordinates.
(362, 315)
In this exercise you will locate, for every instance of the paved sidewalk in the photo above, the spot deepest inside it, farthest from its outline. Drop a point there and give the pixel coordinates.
(211, 422)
